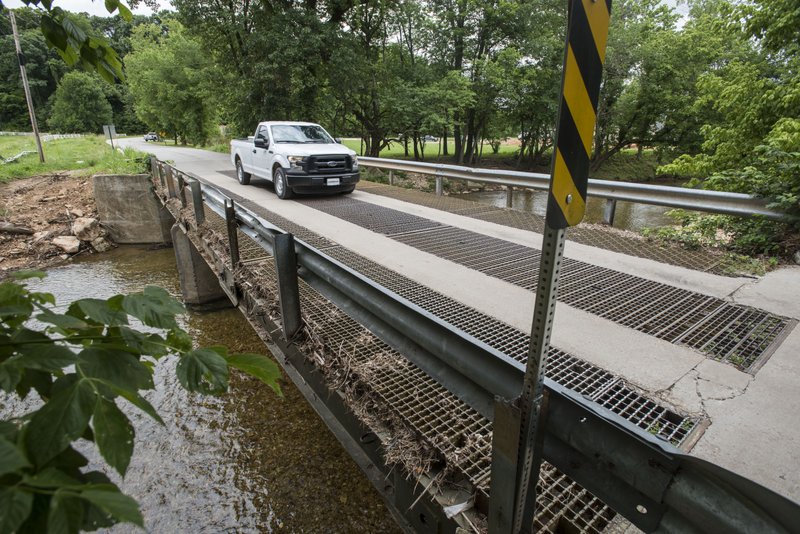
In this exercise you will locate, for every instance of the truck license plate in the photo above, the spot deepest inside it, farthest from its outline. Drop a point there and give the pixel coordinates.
(333, 181)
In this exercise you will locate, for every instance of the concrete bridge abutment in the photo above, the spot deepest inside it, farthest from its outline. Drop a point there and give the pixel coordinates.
(128, 208)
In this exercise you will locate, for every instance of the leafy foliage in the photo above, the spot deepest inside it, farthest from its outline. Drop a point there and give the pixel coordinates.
(79, 105)
(78, 366)
(169, 75)
(74, 44)
(752, 145)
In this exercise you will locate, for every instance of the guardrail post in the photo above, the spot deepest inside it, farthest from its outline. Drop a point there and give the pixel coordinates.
(438, 186)
(505, 453)
(610, 211)
(197, 202)
(170, 183)
(288, 292)
(160, 169)
(181, 187)
(391, 177)
(509, 196)
(233, 236)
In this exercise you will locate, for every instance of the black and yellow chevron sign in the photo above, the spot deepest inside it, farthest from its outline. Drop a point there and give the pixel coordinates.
(583, 70)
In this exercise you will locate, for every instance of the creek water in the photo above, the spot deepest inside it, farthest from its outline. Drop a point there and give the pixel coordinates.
(245, 462)
(629, 216)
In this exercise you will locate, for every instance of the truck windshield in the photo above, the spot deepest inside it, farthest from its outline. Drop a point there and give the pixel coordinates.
(295, 133)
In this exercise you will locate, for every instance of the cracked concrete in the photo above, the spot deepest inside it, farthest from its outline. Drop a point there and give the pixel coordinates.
(754, 427)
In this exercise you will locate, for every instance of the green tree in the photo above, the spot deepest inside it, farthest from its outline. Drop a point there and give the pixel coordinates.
(169, 78)
(85, 360)
(79, 104)
(751, 120)
(44, 69)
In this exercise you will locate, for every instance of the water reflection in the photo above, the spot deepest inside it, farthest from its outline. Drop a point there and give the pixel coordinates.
(629, 216)
(246, 462)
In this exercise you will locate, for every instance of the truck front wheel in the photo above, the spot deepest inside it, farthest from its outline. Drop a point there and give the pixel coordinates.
(282, 188)
(243, 177)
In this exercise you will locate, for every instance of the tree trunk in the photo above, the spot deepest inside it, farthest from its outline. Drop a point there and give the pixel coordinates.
(459, 145)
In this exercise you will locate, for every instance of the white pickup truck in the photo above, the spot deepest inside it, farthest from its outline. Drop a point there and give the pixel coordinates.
(298, 157)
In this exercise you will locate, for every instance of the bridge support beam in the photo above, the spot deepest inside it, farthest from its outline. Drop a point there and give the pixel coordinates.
(200, 286)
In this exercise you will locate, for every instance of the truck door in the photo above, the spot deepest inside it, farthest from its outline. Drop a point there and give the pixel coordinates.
(262, 157)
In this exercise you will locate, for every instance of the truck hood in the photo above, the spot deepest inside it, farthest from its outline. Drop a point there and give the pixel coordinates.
(303, 149)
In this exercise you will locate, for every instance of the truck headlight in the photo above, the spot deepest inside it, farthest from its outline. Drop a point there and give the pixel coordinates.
(355, 163)
(296, 162)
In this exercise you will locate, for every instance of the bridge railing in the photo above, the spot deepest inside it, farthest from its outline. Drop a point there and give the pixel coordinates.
(726, 203)
(650, 482)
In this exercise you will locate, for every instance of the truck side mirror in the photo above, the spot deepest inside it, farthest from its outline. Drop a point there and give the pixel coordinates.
(338, 140)
(260, 142)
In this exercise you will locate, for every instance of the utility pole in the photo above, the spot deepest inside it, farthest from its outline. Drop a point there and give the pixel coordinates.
(21, 58)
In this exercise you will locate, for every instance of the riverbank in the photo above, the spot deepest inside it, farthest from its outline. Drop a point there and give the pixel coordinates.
(39, 211)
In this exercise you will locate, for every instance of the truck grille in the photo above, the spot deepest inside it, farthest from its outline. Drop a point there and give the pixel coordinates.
(329, 164)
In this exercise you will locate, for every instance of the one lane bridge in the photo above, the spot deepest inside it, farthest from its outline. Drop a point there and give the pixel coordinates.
(687, 379)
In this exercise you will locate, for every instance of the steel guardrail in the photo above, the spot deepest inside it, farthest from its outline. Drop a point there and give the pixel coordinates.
(651, 483)
(722, 202)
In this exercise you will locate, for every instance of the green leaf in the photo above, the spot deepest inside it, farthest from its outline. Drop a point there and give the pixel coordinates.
(50, 477)
(10, 376)
(63, 322)
(124, 12)
(100, 311)
(43, 298)
(8, 430)
(48, 356)
(53, 32)
(75, 32)
(69, 462)
(15, 507)
(149, 344)
(14, 303)
(135, 399)
(259, 367)
(59, 422)
(115, 366)
(203, 370)
(11, 459)
(113, 434)
(154, 307)
(178, 339)
(66, 513)
(119, 506)
(41, 381)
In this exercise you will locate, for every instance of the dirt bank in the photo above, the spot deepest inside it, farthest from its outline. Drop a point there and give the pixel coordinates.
(48, 206)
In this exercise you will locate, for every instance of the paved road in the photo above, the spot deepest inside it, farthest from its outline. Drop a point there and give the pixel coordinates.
(753, 428)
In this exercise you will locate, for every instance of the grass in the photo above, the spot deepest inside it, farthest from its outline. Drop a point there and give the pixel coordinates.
(396, 151)
(624, 166)
(86, 156)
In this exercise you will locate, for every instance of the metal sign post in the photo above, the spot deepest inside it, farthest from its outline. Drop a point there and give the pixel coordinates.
(110, 131)
(583, 67)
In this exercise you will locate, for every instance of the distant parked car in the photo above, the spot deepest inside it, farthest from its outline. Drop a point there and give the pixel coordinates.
(431, 138)
(151, 136)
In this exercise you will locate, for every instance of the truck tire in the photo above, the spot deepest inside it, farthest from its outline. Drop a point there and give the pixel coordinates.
(282, 188)
(243, 177)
